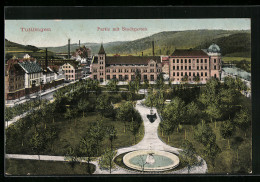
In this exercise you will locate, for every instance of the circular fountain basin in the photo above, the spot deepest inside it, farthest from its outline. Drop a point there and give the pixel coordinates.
(151, 160)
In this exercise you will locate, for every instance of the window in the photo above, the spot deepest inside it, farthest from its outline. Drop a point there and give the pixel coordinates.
(181, 60)
(181, 73)
(201, 61)
(189, 67)
(177, 67)
(189, 73)
(173, 74)
(198, 74)
(206, 74)
(197, 60)
(173, 61)
(145, 77)
(185, 67)
(173, 67)
(197, 67)
(177, 60)
(178, 73)
(126, 77)
(152, 77)
(151, 65)
(189, 60)
(108, 77)
(193, 73)
(215, 60)
(181, 67)
(201, 74)
(185, 60)
(201, 67)
(132, 77)
(120, 77)
(205, 60)
(114, 77)
(186, 74)
(206, 67)
(108, 70)
(215, 67)
(151, 70)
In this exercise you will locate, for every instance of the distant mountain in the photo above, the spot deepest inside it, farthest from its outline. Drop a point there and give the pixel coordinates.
(230, 41)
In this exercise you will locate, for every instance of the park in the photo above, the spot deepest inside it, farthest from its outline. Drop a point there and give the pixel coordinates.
(90, 127)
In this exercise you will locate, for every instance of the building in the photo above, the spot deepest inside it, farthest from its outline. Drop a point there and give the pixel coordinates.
(33, 73)
(72, 71)
(14, 80)
(125, 68)
(191, 63)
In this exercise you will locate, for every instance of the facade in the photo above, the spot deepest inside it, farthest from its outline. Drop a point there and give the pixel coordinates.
(14, 80)
(33, 73)
(71, 71)
(125, 68)
(202, 64)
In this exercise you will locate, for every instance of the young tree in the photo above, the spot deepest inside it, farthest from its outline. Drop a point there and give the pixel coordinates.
(213, 112)
(97, 132)
(242, 120)
(125, 113)
(211, 151)
(88, 149)
(188, 154)
(72, 156)
(112, 135)
(36, 143)
(106, 160)
(112, 85)
(134, 128)
(227, 129)
(83, 106)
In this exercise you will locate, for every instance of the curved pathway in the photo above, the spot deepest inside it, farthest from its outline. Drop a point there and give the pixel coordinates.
(151, 141)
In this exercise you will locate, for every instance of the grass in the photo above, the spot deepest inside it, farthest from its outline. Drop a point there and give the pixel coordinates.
(235, 59)
(69, 134)
(34, 167)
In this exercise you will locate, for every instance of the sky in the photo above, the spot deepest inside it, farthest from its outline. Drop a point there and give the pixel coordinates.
(57, 32)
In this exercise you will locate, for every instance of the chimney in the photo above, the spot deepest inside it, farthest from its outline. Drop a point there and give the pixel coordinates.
(68, 48)
(142, 53)
(153, 47)
(46, 60)
(79, 43)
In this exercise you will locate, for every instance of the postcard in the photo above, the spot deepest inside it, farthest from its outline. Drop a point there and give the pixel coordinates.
(128, 96)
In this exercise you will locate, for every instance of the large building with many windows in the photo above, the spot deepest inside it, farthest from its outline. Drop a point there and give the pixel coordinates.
(188, 65)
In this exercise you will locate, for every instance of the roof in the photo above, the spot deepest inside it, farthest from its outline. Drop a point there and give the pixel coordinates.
(214, 48)
(131, 59)
(101, 50)
(31, 67)
(189, 53)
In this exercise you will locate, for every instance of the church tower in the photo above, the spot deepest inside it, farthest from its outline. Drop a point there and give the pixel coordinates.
(101, 63)
(215, 61)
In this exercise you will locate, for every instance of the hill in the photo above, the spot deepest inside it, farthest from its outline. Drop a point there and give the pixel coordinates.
(19, 50)
(231, 43)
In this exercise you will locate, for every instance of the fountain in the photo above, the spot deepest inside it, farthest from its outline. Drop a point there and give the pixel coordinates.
(151, 160)
(152, 116)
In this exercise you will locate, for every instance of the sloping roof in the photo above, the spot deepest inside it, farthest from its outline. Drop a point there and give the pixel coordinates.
(101, 50)
(189, 53)
(31, 67)
(131, 59)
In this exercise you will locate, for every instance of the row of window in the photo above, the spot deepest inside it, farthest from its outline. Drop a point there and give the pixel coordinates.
(189, 61)
(126, 70)
(189, 74)
(34, 75)
(189, 67)
(69, 71)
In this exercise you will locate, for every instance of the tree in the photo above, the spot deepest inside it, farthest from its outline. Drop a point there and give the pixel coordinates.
(125, 113)
(197, 79)
(134, 128)
(211, 150)
(112, 135)
(104, 104)
(97, 132)
(160, 81)
(88, 149)
(112, 85)
(146, 84)
(213, 112)
(72, 156)
(203, 133)
(106, 160)
(229, 82)
(242, 119)
(83, 106)
(227, 129)
(188, 154)
(185, 79)
(192, 113)
(36, 143)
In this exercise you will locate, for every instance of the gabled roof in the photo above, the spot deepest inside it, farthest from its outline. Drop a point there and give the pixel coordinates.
(189, 53)
(31, 66)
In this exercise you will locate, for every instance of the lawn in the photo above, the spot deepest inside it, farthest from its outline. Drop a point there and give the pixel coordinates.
(35, 167)
(225, 59)
(69, 133)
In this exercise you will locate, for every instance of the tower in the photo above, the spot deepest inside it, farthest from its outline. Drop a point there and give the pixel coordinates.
(101, 63)
(214, 61)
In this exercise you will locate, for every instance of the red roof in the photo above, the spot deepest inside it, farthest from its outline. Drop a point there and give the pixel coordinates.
(189, 53)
